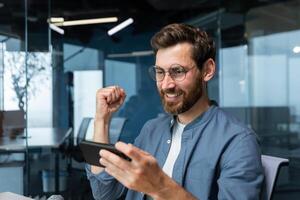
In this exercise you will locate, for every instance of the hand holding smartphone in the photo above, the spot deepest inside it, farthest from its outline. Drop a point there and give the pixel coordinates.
(90, 151)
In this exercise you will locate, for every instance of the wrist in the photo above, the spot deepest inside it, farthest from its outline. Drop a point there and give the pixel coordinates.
(102, 118)
(169, 189)
(101, 127)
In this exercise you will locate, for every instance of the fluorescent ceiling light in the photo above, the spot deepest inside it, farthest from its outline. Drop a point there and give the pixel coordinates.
(120, 26)
(296, 49)
(87, 21)
(56, 19)
(57, 29)
(131, 54)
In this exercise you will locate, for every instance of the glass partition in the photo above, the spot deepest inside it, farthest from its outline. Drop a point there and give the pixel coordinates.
(261, 85)
(13, 97)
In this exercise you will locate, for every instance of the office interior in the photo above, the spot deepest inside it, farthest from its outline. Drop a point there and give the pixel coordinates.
(50, 71)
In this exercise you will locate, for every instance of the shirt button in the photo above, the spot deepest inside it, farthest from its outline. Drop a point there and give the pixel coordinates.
(168, 141)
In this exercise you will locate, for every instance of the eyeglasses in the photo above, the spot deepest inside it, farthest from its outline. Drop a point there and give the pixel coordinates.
(177, 72)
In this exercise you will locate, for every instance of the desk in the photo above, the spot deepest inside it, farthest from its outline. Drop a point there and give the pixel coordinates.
(51, 138)
(12, 196)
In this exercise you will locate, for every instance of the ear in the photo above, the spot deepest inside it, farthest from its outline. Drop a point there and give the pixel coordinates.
(209, 69)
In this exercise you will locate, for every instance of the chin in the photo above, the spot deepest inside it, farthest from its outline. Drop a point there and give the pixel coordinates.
(174, 110)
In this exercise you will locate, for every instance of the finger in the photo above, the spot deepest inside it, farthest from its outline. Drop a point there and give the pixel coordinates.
(112, 169)
(131, 146)
(123, 96)
(104, 162)
(110, 88)
(120, 91)
(104, 94)
(131, 151)
(110, 95)
(115, 159)
(109, 98)
(121, 100)
(116, 172)
(116, 95)
(115, 105)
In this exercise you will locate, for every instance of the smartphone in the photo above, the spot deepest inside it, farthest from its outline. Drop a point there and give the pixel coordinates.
(90, 151)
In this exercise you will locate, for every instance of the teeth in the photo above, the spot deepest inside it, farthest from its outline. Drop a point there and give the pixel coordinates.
(172, 95)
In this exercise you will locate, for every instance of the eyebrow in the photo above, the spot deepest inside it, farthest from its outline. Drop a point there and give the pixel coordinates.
(175, 64)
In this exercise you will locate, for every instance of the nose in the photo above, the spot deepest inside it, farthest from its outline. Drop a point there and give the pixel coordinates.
(167, 82)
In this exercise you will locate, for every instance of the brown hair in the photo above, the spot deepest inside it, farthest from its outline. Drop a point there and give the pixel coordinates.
(203, 45)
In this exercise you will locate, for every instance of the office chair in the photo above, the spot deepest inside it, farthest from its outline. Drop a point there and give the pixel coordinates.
(76, 163)
(85, 123)
(71, 149)
(271, 166)
(74, 150)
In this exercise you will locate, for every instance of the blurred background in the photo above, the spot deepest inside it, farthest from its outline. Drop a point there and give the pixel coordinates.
(52, 63)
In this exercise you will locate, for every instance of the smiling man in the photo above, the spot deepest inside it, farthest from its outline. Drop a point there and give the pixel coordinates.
(197, 151)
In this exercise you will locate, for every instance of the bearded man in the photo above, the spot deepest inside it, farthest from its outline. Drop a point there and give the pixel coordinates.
(197, 151)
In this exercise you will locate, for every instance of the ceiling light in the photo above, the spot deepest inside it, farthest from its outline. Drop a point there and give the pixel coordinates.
(57, 29)
(296, 49)
(120, 26)
(56, 19)
(87, 21)
(131, 54)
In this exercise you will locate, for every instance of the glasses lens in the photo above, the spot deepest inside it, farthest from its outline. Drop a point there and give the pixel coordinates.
(152, 73)
(177, 73)
(159, 74)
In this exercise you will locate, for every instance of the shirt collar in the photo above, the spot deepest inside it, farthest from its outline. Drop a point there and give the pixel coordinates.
(199, 120)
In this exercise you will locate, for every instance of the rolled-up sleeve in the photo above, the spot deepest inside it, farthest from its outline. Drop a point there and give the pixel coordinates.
(241, 173)
(104, 186)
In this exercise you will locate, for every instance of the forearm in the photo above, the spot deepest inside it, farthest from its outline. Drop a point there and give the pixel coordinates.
(101, 127)
(171, 190)
(104, 186)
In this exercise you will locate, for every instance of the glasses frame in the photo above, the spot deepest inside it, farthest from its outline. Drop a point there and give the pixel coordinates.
(152, 72)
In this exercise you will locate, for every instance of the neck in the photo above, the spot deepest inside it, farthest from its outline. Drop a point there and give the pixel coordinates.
(198, 108)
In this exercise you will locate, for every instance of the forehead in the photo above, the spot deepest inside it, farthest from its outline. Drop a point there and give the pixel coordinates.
(178, 54)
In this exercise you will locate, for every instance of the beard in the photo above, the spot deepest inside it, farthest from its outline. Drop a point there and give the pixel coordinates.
(189, 98)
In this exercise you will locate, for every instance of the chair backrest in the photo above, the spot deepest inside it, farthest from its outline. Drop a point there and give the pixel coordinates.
(271, 166)
(115, 129)
(12, 120)
(83, 129)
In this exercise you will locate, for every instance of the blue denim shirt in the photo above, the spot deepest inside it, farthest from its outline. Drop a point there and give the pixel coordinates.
(219, 158)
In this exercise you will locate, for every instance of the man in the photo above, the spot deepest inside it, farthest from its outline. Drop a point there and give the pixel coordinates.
(197, 152)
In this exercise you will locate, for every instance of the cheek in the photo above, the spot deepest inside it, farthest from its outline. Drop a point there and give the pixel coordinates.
(158, 85)
(184, 86)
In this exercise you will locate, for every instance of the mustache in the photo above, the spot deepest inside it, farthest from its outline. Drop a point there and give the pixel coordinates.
(171, 91)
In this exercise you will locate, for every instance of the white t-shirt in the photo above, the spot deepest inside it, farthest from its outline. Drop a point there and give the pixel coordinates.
(174, 149)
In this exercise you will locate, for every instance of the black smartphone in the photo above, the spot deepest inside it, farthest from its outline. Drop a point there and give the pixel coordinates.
(90, 151)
